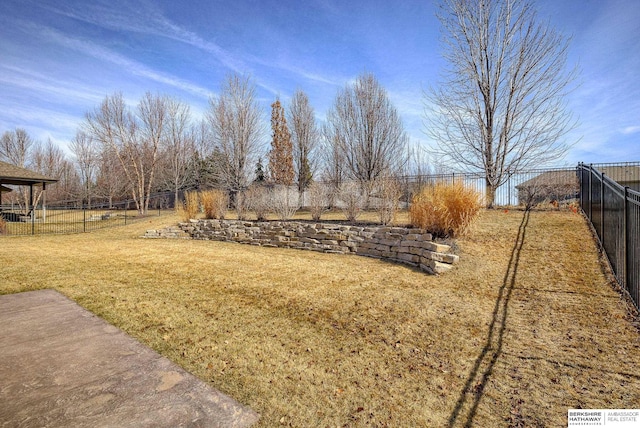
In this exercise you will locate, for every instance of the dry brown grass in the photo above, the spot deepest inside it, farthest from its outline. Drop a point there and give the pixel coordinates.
(523, 328)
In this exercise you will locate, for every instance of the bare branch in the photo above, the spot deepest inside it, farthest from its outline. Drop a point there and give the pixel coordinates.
(500, 107)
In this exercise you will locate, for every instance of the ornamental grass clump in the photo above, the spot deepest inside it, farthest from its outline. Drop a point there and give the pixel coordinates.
(189, 210)
(214, 203)
(445, 209)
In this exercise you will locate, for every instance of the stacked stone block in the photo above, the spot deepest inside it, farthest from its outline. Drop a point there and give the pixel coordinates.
(413, 247)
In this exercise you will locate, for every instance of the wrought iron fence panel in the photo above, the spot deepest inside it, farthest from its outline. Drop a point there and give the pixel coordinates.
(614, 211)
(72, 217)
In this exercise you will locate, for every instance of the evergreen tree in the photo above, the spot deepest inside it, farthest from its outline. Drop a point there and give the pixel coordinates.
(260, 175)
(281, 154)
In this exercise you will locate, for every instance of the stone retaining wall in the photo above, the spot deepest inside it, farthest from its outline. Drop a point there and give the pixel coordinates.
(409, 246)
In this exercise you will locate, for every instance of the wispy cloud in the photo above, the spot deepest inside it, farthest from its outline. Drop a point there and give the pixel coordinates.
(32, 117)
(306, 74)
(134, 67)
(630, 130)
(147, 20)
(68, 91)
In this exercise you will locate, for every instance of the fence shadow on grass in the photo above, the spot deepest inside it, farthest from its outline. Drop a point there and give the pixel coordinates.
(483, 367)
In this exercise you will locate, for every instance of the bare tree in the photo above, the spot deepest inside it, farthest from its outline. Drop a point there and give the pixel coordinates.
(111, 182)
(133, 138)
(236, 127)
(334, 166)
(50, 160)
(500, 108)
(16, 147)
(304, 136)
(86, 153)
(153, 115)
(367, 131)
(179, 147)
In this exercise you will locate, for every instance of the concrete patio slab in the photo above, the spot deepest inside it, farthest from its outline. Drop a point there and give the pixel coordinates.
(62, 366)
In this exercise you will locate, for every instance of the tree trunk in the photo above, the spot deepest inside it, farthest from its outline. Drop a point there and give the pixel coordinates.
(490, 194)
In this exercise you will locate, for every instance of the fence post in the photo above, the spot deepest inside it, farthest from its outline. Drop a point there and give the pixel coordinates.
(625, 241)
(581, 184)
(84, 218)
(602, 208)
(590, 195)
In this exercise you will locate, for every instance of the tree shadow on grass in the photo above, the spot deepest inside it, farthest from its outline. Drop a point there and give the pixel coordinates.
(483, 367)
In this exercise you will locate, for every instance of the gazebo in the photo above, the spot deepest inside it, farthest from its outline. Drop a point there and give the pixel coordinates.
(17, 176)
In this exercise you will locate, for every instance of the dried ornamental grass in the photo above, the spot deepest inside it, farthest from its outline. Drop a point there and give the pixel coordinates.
(191, 206)
(214, 203)
(445, 209)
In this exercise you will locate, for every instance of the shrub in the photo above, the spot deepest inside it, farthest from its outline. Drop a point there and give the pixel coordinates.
(242, 204)
(445, 209)
(284, 202)
(352, 200)
(191, 206)
(257, 198)
(388, 192)
(214, 203)
(318, 200)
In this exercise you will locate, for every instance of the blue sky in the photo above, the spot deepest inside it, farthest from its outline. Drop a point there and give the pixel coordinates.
(59, 59)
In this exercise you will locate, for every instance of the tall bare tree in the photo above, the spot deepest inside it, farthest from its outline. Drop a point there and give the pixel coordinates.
(237, 129)
(111, 181)
(367, 131)
(334, 166)
(179, 147)
(86, 152)
(134, 138)
(304, 136)
(281, 154)
(16, 147)
(50, 160)
(500, 107)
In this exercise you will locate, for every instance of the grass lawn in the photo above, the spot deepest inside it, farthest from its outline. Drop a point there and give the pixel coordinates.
(525, 327)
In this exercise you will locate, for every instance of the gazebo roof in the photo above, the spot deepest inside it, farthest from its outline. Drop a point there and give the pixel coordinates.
(11, 174)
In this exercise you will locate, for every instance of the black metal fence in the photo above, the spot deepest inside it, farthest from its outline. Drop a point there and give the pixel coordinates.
(74, 217)
(608, 199)
(534, 187)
